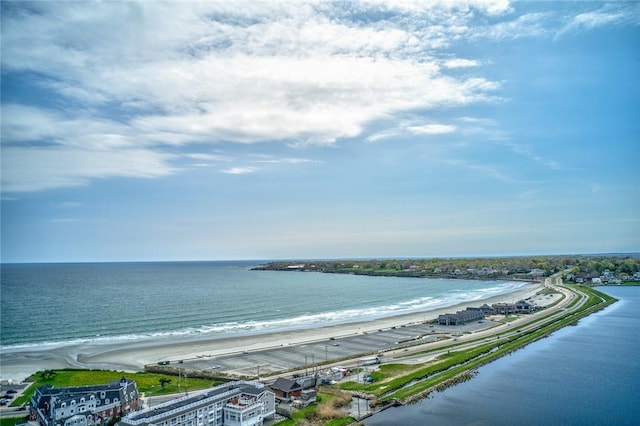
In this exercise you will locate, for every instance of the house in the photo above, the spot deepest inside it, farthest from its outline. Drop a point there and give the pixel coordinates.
(286, 389)
(524, 307)
(83, 405)
(239, 403)
(504, 308)
(485, 309)
(536, 272)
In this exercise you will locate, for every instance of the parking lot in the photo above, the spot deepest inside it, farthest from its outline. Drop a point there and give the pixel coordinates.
(305, 356)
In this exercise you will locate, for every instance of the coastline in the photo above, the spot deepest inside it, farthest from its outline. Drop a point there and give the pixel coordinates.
(132, 356)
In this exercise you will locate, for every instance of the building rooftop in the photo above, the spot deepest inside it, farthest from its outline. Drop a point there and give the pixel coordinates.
(216, 393)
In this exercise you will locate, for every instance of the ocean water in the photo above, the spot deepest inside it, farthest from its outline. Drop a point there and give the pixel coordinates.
(57, 304)
(583, 375)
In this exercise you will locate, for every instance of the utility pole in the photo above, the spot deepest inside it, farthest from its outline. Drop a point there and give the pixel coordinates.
(185, 384)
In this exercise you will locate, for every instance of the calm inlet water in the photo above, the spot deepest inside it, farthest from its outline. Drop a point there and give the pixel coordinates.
(47, 304)
(583, 375)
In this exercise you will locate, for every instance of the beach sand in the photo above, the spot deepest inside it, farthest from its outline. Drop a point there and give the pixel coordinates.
(17, 364)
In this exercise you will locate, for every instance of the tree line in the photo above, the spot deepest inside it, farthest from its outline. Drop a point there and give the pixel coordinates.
(496, 267)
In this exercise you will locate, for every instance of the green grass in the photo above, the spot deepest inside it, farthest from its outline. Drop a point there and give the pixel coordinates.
(548, 290)
(509, 318)
(11, 421)
(149, 383)
(340, 422)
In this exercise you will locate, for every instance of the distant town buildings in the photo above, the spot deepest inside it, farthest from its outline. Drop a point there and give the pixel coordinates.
(239, 403)
(607, 277)
(84, 405)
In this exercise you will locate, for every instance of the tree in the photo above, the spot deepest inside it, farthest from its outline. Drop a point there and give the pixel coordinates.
(164, 381)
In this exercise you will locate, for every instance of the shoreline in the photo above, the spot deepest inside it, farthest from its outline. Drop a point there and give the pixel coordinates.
(132, 356)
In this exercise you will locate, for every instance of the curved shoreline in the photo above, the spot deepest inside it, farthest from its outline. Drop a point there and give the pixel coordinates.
(134, 355)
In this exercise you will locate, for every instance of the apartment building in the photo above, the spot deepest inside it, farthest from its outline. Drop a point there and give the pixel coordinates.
(239, 403)
(83, 405)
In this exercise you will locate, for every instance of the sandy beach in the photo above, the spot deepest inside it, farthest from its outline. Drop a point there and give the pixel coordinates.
(18, 364)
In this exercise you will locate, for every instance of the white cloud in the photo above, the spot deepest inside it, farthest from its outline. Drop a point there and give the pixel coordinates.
(461, 63)
(239, 170)
(527, 151)
(608, 14)
(385, 134)
(489, 6)
(177, 73)
(43, 149)
(267, 159)
(206, 157)
(482, 169)
(40, 168)
(270, 71)
(527, 25)
(432, 129)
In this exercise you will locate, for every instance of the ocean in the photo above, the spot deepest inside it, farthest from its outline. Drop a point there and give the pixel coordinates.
(583, 375)
(60, 304)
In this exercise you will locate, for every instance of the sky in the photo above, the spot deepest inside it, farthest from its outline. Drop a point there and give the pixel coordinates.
(147, 130)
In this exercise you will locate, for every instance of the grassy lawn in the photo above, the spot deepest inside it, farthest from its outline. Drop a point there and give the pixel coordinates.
(11, 421)
(508, 318)
(548, 290)
(149, 383)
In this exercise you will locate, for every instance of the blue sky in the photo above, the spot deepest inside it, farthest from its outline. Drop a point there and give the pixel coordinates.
(263, 130)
